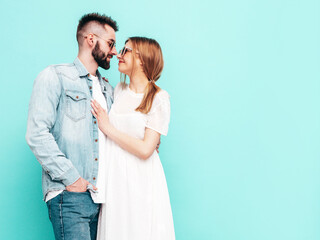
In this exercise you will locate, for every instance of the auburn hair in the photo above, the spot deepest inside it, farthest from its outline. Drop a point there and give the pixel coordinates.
(149, 52)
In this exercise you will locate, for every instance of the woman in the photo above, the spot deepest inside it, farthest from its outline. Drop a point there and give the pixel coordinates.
(137, 200)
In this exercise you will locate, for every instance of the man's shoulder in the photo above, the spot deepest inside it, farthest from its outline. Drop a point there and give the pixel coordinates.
(62, 66)
(59, 67)
(68, 70)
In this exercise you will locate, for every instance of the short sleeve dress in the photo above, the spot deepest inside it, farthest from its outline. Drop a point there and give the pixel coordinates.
(137, 201)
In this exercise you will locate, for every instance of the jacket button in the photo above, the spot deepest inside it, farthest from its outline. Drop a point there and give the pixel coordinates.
(94, 178)
(95, 122)
(90, 87)
(96, 159)
(96, 140)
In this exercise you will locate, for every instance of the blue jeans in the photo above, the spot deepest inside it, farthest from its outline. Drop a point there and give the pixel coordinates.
(74, 216)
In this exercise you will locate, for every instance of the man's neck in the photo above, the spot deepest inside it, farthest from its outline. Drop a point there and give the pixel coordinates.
(89, 63)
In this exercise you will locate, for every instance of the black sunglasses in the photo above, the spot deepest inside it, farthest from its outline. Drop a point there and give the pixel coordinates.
(124, 50)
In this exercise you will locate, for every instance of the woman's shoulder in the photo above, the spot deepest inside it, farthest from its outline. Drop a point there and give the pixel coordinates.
(162, 95)
(119, 88)
(162, 98)
(120, 85)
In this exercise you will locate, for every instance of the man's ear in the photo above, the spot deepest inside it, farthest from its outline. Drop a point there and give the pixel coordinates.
(90, 39)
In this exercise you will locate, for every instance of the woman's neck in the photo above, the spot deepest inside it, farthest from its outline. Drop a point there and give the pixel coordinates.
(138, 83)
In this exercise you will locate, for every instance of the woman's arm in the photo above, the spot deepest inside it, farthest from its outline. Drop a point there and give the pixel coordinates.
(141, 148)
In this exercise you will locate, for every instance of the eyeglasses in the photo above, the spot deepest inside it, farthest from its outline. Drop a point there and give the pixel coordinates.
(124, 50)
(110, 43)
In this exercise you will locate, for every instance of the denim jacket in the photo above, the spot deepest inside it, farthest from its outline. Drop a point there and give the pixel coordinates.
(61, 131)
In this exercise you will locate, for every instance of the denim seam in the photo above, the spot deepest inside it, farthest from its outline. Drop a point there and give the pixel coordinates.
(49, 203)
(98, 211)
(61, 220)
(49, 209)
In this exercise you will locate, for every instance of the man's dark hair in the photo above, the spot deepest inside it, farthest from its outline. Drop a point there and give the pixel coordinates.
(97, 18)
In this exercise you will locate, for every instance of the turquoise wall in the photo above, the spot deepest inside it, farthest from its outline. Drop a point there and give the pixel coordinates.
(242, 157)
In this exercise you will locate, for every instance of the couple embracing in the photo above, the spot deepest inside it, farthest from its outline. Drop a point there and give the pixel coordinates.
(101, 174)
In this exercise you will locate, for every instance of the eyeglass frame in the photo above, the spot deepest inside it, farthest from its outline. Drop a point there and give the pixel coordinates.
(111, 45)
(124, 50)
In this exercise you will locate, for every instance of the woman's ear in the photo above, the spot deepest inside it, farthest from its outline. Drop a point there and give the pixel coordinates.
(139, 63)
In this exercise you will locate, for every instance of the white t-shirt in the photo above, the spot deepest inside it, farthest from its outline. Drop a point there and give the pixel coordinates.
(99, 196)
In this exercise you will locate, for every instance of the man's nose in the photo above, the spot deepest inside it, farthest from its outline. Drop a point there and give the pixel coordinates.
(114, 51)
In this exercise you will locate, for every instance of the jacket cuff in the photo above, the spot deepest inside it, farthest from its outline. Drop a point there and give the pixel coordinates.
(70, 176)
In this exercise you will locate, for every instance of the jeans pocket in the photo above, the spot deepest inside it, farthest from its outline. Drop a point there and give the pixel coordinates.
(76, 105)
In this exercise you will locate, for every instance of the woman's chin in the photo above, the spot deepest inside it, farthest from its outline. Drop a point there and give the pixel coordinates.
(121, 70)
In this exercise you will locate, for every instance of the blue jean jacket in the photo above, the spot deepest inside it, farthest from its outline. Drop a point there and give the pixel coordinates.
(61, 131)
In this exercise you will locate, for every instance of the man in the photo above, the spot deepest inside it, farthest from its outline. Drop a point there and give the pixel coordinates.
(63, 134)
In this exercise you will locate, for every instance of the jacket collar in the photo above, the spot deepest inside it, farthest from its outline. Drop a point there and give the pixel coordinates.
(81, 68)
(83, 72)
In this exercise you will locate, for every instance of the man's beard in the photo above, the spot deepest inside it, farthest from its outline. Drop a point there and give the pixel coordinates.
(100, 57)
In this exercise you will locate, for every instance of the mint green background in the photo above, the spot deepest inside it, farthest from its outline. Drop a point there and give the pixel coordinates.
(242, 154)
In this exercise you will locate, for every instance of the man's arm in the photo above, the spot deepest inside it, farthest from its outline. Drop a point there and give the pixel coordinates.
(41, 118)
(158, 145)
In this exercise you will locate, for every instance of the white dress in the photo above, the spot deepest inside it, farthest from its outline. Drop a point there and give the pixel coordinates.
(137, 201)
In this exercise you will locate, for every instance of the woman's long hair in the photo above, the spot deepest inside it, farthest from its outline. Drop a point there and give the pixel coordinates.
(149, 52)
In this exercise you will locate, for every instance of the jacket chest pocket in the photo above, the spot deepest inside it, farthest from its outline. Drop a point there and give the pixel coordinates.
(76, 105)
